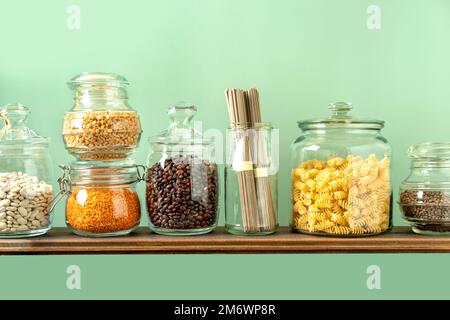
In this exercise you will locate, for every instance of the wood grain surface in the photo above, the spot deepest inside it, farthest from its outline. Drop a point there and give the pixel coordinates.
(61, 242)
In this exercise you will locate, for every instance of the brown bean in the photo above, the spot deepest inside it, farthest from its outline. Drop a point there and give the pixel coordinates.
(183, 194)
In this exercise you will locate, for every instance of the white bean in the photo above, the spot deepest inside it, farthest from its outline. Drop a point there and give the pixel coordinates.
(23, 202)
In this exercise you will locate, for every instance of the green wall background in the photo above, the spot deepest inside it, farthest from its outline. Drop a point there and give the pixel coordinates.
(300, 54)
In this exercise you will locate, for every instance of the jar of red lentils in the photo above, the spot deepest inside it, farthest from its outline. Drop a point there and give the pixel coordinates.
(101, 197)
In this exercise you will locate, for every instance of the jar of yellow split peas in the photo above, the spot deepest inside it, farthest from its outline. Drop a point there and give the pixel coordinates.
(341, 176)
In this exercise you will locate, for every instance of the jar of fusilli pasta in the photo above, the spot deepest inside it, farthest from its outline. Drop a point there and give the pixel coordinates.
(341, 176)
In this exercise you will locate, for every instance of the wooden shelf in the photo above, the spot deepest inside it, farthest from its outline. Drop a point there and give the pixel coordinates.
(60, 241)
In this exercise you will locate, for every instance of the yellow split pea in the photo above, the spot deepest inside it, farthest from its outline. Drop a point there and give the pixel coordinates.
(111, 132)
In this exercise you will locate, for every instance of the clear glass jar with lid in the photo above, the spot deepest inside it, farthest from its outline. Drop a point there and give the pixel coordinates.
(341, 176)
(425, 193)
(101, 125)
(101, 197)
(25, 176)
(182, 178)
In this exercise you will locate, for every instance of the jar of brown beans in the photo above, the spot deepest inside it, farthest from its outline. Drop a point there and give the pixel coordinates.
(182, 178)
(101, 198)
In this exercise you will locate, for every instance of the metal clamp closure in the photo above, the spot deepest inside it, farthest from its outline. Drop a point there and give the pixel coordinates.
(64, 188)
(141, 170)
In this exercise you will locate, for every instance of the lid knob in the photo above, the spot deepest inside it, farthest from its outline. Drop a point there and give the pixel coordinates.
(182, 114)
(340, 109)
(14, 114)
(183, 134)
(15, 130)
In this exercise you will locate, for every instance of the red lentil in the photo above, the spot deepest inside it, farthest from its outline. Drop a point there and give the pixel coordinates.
(103, 210)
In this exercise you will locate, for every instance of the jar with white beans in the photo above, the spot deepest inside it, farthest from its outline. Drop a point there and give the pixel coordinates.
(25, 177)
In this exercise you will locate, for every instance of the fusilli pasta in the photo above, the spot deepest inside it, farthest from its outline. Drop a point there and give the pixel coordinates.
(342, 196)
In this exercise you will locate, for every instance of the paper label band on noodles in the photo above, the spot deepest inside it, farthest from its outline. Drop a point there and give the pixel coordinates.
(243, 166)
(261, 172)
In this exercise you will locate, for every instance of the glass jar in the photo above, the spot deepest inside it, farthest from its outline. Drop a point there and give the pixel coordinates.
(341, 176)
(425, 193)
(101, 198)
(251, 180)
(182, 178)
(101, 124)
(25, 176)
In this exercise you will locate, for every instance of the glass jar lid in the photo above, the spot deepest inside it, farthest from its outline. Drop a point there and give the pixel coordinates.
(99, 92)
(431, 151)
(182, 129)
(15, 133)
(341, 118)
(98, 79)
(103, 173)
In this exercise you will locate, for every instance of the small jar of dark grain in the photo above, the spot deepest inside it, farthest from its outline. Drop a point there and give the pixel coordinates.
(425, 194)
(182, 178)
